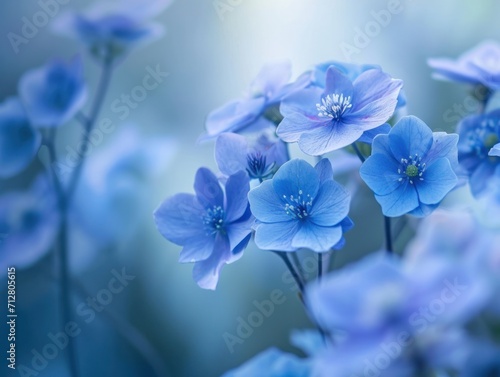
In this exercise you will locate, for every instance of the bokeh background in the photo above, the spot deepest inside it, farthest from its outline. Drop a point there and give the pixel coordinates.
(211, 51)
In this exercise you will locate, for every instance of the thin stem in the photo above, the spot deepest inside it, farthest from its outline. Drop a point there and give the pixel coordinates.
(89, 123)
(134, 336)
(298, 264)
(292, 270)
(358, 152)
(320, 266)
(62, 247)
(388, 236)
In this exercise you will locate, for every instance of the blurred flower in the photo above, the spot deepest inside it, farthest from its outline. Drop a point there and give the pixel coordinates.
(411, 169)
(495, 151)
(478, 135)
(260, 159)
(118, 179)
(480, 65)
(19, 142)
(109, 29)
(325, 120)
(259, 109)
(272, 363)
(29, 222)
(54, 93)
(213, 226)
(392, 320)
(300, 207)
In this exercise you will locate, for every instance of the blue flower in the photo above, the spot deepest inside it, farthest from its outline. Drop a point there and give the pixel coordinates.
(272, 363)
(213, 226)
(54, 93)
(387, 317)
(300, 207)
(411, 169)
(29, 222)
(480, 65)
(110, 29)
(259, 108)
(260, 160)
(325, 120)
(19, 142)
(479, 135)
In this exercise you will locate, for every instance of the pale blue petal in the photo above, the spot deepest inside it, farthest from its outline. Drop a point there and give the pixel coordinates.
(438, 180)
(337, 83)
(206, 272)
(276, 236)
(296, 177)
(266, 205)
(237, 187)
(369, 135)
(399, 202)
(316, 238)
(329, 137)
(208, 189)
(380, 173)
(330, 205)
(410, 136)
(296, 123)
(180, 219)
(231, 153)
(324, 169)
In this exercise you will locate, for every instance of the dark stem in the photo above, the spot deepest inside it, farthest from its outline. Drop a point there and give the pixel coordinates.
(388, 236)
(88, 123)
(358, 152)
(320, 266)
(293, 271)
(298, 265)
(62, 247)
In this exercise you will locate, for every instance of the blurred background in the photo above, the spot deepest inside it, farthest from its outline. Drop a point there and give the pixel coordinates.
(211, 52)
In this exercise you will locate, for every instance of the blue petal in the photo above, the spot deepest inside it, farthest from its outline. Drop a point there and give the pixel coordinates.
(380, 173)
(337, 83)
(271, 79)
(238, 232)
(208, 189)
(375, 85)
(296, 177)
(401, 201)
(438, 180)
(329, 137)
(276, 236)
(231, 153)
(19, 142)
(180, 219)
(495, 151)
(197, 249)
(381, 144)
(266, 205)
(234, 116)
(296, 123)
(423, 210)
(206, 272)
(444, 145)
(369, 135)
(330, 205)
(324, 169)
(237, 187)
(410, 136)
(54, 93)
(479, 179)
(303, 101)
(316, 238)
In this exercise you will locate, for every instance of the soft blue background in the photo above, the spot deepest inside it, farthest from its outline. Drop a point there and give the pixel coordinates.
(211, 60)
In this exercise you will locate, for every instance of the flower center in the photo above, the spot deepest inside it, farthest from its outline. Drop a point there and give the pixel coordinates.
(333, 106)
(484, 137)
(411, 169)
(214, 219)
(299, 206)
(257, 166)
